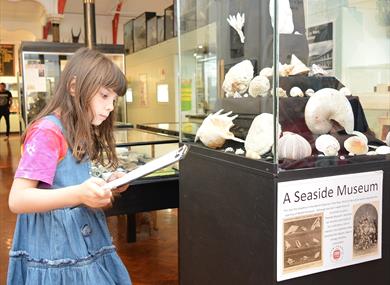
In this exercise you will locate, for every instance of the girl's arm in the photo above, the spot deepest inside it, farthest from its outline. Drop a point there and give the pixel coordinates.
(26, 198)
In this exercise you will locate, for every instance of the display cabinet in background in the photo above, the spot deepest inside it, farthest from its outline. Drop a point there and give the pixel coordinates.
(288, 179)
(41, 66)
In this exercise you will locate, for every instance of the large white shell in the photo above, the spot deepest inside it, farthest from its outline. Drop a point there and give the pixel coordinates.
(237, 78)
(293, 146)
(356, 145)
(215, 130)
(325, 105)
(383, 149)
(259, 86)
(328, 145)
(260, 136)
(298, 66)
(237, 23)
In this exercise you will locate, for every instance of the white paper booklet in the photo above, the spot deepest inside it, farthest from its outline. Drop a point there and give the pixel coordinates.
(156, 164)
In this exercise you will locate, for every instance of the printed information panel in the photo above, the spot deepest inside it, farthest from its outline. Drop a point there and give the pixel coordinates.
(328, 222)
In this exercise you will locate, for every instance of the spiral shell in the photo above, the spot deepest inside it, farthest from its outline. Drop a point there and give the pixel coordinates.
(325, 105)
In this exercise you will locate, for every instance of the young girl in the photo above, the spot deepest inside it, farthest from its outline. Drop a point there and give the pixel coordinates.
(61, 235)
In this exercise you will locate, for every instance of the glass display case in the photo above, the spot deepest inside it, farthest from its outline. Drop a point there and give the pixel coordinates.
(288, 176)
(237, 61)
(41, 65)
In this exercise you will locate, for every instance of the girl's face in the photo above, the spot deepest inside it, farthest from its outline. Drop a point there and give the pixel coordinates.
(102, 104)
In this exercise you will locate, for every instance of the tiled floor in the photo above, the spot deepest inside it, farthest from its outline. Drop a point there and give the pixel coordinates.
(152, 260)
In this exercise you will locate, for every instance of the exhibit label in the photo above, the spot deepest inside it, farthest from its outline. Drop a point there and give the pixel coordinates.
(328, 222)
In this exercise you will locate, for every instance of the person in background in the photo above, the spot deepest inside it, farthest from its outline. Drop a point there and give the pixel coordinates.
(61, 234)
(5, 105)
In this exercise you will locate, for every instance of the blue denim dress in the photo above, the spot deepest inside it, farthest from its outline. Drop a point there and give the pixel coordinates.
(65, 246)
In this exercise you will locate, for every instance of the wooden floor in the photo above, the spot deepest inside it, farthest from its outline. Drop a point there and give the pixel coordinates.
(152, 260)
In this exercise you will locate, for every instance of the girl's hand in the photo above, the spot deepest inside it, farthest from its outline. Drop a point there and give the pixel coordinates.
(93, 195)
(117, 175)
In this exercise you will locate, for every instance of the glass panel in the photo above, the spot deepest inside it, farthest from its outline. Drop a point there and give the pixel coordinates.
(342, 105)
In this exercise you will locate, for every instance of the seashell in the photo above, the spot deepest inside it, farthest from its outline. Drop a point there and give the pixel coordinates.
(328, 145)
(239, 151)
(296, 92)
(361, 135)
(345, 91)
(293, 146)
(309, 92)
(383, 149)
(298, 66)
(238, 77)
(317, 70)
(325, 105)
(229, 149)
(253, 155)
(237, 95)
(388, 139)
(285, 69)
(260, 136)
(280, 92)
(266, 71)
(259, 86)
(371, 152)
(285, 16)
(215, 130)
(356, 145)
(237, 22)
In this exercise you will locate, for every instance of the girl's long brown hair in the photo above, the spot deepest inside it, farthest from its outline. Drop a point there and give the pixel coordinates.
(89, 70)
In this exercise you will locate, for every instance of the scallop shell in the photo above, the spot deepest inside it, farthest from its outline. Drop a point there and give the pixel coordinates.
(356, 145)
(293, 146)
(259, 86)
(237, 78)
(383, 149)
(328, 145)
(325, 105)
(298, 66)
(215, 130)
(260, 138)
(296, 92)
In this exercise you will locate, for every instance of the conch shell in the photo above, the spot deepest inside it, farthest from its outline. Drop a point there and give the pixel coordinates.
(237, 78)
(293, 146)
(325, 105)
(214, 130)
(328, 145)
(260, 136)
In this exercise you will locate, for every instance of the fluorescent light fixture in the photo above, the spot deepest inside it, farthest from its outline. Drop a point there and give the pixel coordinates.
(162, 93)
(129, 95)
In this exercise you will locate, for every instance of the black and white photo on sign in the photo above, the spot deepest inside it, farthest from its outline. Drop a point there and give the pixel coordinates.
(321, 46)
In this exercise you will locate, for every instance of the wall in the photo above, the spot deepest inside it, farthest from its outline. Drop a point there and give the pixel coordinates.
(159, 64)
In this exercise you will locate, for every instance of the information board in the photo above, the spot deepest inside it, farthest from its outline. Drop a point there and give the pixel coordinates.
(7, 60)
(328, 222)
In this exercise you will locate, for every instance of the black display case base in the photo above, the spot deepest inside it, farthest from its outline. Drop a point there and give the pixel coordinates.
(228, 222)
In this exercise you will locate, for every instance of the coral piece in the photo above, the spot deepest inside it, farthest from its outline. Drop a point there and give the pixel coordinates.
(237, 22)
(266, 71)
(325, 105)
(215, 130)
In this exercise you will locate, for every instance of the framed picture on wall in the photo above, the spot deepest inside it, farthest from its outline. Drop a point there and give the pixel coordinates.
(128, 36)
(321, 46)
(140, 30)
(7, 60)
(143, 89)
